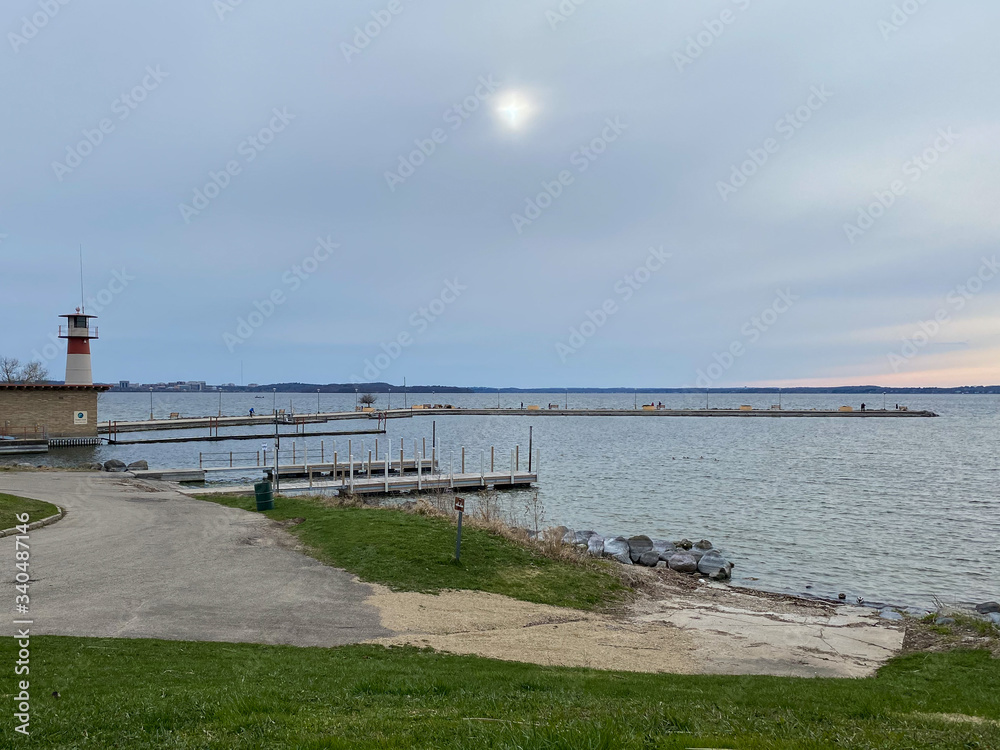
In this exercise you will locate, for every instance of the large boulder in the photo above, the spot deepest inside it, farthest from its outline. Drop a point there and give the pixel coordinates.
(638, 546)
(114, 465)
(617, 548)
(664, 548)
(696, 553)
(713, 565)
(556, 533)
(583, 537)
(649, 559)
(682, 562)
(93, 467)
(987, 608)
(683, 544)
(595, 546)
(138, 466)
(569, 537)
(704, 544)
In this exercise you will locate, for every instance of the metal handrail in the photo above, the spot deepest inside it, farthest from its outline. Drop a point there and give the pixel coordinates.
(91, 332)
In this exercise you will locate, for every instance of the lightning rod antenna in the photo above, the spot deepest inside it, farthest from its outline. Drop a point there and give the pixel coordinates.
(82, 296)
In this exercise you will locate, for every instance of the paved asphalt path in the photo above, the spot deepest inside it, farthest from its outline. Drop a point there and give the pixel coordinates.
(134, 559)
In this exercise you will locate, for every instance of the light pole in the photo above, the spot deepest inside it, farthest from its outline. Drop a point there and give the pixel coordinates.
(150, 404)
(317, 400)
(404, 392)
(635, 398)
(355, 399)
(567, 406)
(274, 402)
(220, 400)
(498, 398)
(390, 400)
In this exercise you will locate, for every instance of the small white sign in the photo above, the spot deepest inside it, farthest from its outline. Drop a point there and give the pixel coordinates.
(80, 417)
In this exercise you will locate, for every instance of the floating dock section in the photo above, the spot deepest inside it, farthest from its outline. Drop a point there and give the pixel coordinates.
(386, 476)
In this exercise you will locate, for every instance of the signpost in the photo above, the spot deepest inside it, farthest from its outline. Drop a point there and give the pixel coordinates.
(460, 507)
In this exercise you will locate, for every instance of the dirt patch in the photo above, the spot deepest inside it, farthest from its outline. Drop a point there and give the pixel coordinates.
(497, 627)
(670, 626)
(965, 632)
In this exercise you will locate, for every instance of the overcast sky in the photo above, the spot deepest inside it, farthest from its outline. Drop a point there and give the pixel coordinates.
(644, 192)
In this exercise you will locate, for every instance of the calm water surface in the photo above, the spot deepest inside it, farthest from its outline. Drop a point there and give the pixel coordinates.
(900, 511)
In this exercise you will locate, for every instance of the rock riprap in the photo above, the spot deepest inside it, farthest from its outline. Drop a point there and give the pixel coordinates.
(682, 556)
(715, 566)
(638, 546)
(683, 562)
(617, 548)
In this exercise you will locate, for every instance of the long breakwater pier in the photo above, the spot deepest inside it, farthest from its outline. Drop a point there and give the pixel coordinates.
(299, 422)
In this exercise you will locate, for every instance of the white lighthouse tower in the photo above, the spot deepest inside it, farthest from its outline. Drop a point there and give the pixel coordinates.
(78, 334)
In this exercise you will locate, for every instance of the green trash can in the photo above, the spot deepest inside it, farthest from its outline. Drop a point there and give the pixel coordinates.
(265, 498)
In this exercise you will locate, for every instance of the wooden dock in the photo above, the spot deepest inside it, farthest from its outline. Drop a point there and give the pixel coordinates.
(388, 485)
(385, 476)
(297, 421)
(218, 438)
(317, 470)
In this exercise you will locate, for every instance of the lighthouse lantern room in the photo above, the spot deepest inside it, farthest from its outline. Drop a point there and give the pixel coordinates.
(78, 334)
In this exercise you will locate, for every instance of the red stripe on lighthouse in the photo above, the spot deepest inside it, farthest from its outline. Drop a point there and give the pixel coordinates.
(78, 346)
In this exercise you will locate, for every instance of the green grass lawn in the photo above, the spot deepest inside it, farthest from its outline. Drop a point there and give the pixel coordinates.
(409, 552)
(167, 694)
(10, 506)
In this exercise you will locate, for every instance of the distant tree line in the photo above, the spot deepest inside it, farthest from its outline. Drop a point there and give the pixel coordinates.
(12, 371)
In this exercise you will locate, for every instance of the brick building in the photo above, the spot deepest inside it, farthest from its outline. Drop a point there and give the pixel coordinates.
(54, 411)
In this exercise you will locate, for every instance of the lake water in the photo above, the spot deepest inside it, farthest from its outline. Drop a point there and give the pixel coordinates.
(895, 510)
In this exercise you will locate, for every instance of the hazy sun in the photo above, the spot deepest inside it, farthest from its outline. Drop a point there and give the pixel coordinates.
(514, 110)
